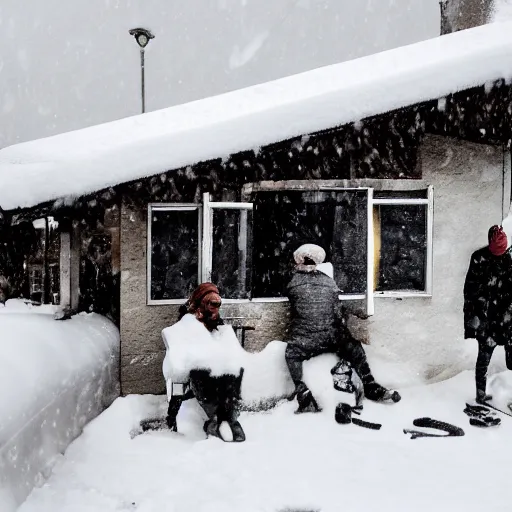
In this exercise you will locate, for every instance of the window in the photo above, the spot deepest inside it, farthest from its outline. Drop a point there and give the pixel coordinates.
(192, 243)
(402, 224)
(335, 220)
(174, 238)
(229, 262)
(379, 242)
(36, 281)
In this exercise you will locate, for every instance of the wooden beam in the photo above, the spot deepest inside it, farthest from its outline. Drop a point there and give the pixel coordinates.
(70, 267)
(65, 269)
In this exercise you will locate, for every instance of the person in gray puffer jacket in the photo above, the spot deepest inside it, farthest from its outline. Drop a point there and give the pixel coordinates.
(319, 327)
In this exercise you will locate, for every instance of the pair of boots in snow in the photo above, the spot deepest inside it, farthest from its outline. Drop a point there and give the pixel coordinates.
(219, 397)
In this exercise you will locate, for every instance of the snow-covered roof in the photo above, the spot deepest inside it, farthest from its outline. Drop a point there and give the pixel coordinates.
(87, 160)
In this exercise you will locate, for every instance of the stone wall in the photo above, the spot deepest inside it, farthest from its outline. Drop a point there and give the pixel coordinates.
(463, 14)
(424, 333)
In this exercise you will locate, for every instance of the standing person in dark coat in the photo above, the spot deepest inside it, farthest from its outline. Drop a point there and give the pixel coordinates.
(317, 327)
(488, 304)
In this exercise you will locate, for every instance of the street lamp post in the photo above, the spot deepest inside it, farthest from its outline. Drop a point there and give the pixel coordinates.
(142, 36)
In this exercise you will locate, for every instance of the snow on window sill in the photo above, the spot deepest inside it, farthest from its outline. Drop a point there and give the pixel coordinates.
(403, 294)
(270, 300)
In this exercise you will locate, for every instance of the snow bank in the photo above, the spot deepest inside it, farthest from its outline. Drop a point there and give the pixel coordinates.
(289, 462)
(55, 376)
(87, 160)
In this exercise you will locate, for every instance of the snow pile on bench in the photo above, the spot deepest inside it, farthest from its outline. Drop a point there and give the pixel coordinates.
(87, 160)
(190, 346)
(55, 376)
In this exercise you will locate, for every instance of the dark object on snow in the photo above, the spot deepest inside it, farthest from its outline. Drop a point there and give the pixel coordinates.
(343, 415)
(318, 327)
(493, 407)
(488, 305)
(378, 393)
(219, 397)
(481, 416)
(306, 401)
(366, 424)
(451, 430)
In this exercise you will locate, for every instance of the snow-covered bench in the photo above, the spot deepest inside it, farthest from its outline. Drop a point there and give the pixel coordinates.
(266, 375)
(55, 376)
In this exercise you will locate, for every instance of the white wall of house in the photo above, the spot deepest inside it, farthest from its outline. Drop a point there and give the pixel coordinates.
(422, 338)
(66, 65)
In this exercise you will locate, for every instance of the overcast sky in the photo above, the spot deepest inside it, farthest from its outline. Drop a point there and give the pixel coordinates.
(68, 64)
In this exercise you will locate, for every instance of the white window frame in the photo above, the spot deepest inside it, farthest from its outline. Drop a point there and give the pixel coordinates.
(429, 202)
(205, 239)
(159, 207)
(368, 295)
(207, 246)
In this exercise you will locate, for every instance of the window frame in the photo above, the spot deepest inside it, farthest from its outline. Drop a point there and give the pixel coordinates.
(429, 203)
(205, 231)
(152, 207)
(205, 241)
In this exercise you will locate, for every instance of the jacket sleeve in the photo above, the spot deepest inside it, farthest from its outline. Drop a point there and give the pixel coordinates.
(473, 288)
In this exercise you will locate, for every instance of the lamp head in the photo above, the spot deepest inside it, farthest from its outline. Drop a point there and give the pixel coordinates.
(142, 36)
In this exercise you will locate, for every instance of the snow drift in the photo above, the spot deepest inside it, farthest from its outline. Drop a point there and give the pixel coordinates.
(55, 377)
(289, 462)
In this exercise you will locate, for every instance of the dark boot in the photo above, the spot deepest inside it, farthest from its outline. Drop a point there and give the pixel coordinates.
(307, 402)
(482, 396)
(343, 413)
(351, 350)
(238, 432)
(229, 410)
(378, 393)
(211, 427)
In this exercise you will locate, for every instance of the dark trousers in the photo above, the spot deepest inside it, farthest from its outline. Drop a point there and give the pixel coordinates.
(485, 350)
(347, 348)
(218, 396)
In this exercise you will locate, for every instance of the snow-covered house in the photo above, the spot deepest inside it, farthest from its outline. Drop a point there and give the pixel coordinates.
(396, 164)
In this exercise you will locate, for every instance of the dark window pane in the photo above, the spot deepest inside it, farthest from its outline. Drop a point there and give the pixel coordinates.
(232, 252)
(403, 245)
(174, 253)
(400, 194)
(337, 221)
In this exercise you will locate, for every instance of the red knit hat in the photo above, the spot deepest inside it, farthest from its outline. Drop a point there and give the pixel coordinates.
(498, 242)
(200, 293)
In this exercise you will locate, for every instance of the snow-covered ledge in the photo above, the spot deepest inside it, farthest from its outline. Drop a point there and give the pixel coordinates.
(55, 376)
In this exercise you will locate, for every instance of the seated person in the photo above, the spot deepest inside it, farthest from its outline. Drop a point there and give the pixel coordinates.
(317, 327)
(205, 354)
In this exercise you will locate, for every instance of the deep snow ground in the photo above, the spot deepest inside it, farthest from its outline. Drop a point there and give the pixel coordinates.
(305, 462)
